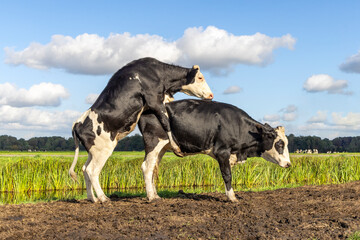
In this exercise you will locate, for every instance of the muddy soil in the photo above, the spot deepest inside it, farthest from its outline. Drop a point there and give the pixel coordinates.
(310, 212)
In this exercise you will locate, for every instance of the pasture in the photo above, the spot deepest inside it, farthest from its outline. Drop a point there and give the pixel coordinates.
(319, 196)
(33, 176)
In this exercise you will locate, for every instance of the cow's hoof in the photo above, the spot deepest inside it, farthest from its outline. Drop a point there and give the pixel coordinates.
(104, 198)
(176, 149)
(234, 200)
(154, 199)
(179, 153)
(93, 199)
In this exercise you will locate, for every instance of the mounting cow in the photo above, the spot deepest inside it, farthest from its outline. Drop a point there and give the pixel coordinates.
(219, 130)
(140, 85)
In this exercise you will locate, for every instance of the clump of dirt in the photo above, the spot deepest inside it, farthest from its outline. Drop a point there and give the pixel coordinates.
(320, 212)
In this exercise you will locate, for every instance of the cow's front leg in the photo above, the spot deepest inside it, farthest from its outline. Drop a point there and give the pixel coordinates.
(156, 104)
(225, 168)
(150, 167)
(176, 149)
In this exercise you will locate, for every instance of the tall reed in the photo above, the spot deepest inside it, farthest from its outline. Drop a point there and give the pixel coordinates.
(40, 173)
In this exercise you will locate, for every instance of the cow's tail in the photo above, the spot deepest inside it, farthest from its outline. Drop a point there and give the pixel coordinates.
(76, 141)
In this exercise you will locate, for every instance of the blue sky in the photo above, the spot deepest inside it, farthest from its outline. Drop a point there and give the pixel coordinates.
(290, 63)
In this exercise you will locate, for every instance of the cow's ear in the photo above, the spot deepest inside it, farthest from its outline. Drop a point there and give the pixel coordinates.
(196, 67)
(267, 126)
(268, 137)
(192, 74)
(266, 131)
(280, 129)
(259, 128)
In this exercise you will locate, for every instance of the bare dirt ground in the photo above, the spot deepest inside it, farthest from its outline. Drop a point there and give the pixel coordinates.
(310, 212)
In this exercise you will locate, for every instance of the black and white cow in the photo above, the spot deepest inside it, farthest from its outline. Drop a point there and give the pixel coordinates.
(219, 130)
(140, 85)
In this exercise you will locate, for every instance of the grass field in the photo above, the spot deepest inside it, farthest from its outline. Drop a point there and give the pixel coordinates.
(46, 172)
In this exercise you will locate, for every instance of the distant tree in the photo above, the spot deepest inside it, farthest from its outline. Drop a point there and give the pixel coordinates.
(131, 143)
(136, 143)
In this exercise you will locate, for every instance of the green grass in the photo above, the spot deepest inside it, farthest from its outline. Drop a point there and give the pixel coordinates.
(44, 173)
(355, 236)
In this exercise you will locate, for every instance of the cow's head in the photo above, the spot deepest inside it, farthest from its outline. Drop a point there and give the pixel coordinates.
(196, 85)
(277, 145)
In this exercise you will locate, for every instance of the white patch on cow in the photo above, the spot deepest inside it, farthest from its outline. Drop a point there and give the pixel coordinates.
(137, 78)
(234, 161)
(199, 88)
(168, 99)
(102, 141)
(148, 166)
(174, 146)
(165, 113)
(231, 195)
(98, 155)
(82, 118)
(209, 152)
(273, 156)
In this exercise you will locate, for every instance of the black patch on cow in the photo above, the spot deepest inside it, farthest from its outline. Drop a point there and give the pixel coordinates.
(190, 78)
(279, 146)
(151, 130)
(84, 132)
(98, 131)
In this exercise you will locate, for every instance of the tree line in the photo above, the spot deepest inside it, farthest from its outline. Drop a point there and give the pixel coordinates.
(9, 143)
(135, 143)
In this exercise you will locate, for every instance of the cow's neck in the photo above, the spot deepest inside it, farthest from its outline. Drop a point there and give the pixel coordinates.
(175, 77)
(174, 72)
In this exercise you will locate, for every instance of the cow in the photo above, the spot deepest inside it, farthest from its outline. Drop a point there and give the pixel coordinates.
(141, 84)
(222, 131)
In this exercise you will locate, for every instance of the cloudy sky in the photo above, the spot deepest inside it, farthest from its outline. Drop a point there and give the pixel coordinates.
(290, 63)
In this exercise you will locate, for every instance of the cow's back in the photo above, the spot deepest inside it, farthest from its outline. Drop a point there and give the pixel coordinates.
(199, 124)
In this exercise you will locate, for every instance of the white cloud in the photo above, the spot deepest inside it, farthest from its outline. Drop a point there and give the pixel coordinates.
(43, 94)
(272, 117)
(325, 83)
(289, 113)
(339, 125)
(289, 117)
(352, 64)
(289, 109)
(351, 120)
(13, 118)
(91, 98)
(320, 117)
(232, 90)
(212, 48)
(92, 54)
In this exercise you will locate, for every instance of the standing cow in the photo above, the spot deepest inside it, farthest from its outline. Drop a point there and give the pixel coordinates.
(140, 85)
(219, 130)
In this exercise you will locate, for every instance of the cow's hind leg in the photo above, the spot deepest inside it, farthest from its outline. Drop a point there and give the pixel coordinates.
(149, 165)
(93, 169)
(89, 189)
